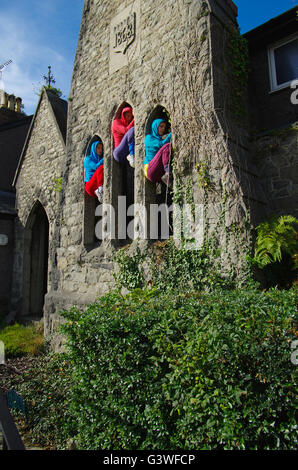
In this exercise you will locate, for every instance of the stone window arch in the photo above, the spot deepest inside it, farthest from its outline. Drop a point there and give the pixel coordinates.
(157, 193)
(123, 184)
(159, 112)
(90, 205)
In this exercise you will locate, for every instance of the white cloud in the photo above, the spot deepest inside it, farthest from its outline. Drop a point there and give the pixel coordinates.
(21, 42)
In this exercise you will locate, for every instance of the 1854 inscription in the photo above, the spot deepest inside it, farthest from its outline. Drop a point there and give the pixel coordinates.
(125, 34)
(125, 44)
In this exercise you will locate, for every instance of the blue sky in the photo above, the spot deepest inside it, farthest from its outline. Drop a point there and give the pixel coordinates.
(38, 33)
(253, 13)
(35, 34)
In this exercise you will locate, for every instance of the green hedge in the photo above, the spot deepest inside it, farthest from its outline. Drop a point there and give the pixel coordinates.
(191, 371)
(45, 386)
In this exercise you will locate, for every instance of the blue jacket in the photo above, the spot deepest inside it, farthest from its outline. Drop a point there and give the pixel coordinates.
(154, 142)
(92, 162)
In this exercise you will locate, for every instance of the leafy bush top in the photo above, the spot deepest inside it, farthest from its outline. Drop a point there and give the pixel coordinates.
(184, 370)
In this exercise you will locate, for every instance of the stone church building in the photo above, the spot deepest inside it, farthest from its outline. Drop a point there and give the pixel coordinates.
(234, 140)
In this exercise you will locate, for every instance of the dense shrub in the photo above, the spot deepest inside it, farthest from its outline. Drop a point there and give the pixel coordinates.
(192, 371)
(45, 388)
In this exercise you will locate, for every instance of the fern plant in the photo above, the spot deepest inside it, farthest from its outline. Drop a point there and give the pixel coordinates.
(275, 238)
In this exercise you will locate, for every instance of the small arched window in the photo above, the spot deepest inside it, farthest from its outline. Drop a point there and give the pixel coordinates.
(158, 193)
(122, 183)
(90, 205)
(159, 112)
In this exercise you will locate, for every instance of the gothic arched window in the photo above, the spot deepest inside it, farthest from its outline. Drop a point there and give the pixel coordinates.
(123, 187)
(90, 205)
(158, 193)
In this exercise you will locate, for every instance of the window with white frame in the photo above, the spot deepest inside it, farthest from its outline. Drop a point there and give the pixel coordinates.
(283, 61)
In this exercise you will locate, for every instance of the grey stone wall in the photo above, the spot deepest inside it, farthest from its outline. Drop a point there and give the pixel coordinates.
(276, 157)
(177, 68)
(36, 183)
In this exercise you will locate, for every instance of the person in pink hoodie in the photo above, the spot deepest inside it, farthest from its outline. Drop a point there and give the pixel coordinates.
(124, 137)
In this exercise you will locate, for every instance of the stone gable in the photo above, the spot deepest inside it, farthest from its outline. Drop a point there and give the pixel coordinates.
(37, 182)
(41, 164)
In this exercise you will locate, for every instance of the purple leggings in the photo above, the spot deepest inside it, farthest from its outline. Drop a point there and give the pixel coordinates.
(122, 151)
(159, 165)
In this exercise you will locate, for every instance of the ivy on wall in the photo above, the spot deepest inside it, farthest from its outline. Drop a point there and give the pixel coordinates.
(238, 61)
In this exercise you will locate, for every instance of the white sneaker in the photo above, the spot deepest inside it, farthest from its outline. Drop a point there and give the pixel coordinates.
(131, 161)
(99, 194)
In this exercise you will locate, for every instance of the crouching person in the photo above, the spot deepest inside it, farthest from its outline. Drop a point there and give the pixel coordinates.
(158, 151)
(124, 137)
(93, 164)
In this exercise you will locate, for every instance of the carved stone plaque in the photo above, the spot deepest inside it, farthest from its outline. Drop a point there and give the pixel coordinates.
(125, 37)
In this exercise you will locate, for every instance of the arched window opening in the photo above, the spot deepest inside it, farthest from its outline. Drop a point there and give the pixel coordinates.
(91, 202)
(95, 138)
(160, 112)
(160, 189)
(123, 167)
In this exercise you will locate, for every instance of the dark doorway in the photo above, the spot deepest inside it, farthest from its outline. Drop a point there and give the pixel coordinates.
(36, 262)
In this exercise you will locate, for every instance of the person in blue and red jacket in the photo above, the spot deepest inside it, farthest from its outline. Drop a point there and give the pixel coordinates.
(93, 164)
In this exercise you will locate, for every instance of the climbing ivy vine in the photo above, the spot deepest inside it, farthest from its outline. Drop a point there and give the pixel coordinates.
(238, 61)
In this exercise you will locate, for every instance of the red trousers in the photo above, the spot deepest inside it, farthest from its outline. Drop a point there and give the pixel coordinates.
(95, 181)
